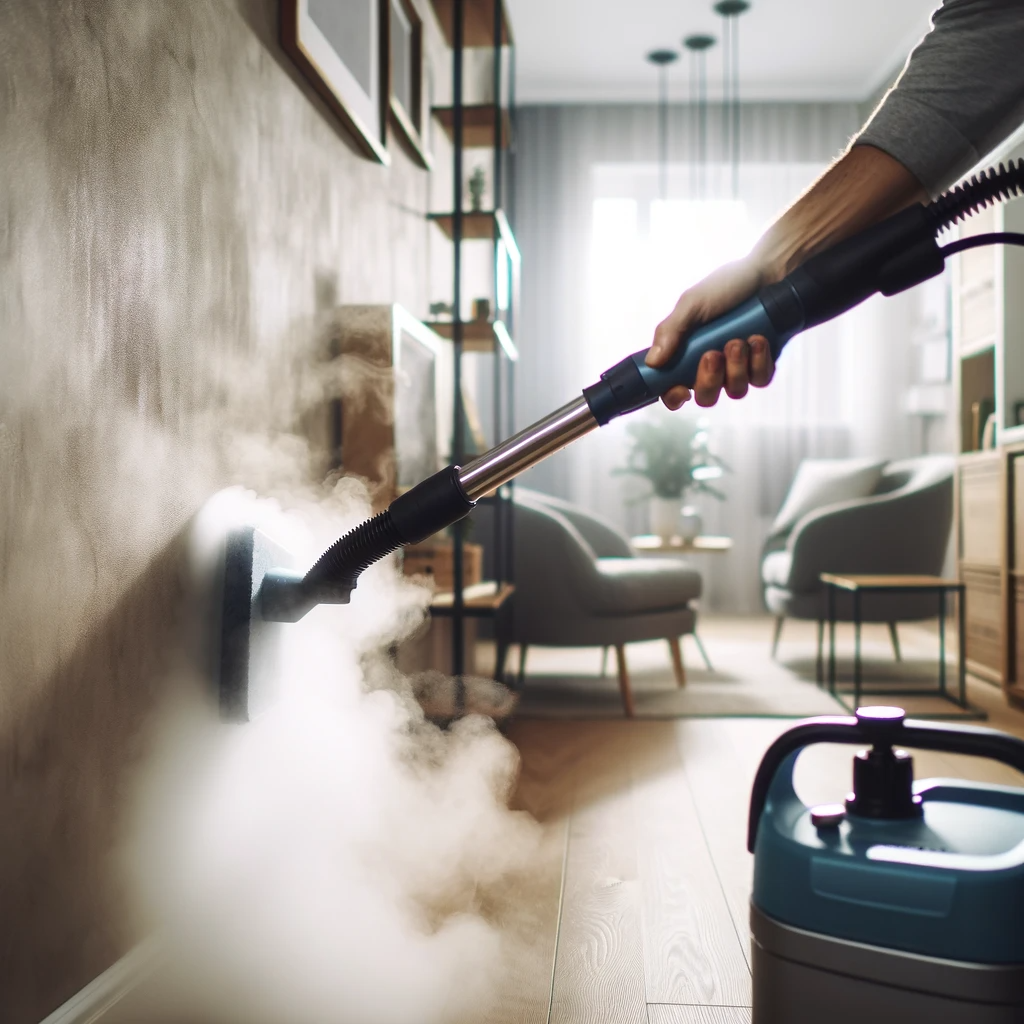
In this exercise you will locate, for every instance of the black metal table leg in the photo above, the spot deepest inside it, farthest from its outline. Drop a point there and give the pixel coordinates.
(819, 662)
(856, 649)
(961, 600)
(942, 642)
(831, 639)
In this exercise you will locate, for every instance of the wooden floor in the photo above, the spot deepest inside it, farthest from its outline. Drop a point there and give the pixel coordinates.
(636, 913)
(644, 917)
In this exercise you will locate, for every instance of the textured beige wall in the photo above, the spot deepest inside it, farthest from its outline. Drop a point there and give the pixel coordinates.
(175, 209)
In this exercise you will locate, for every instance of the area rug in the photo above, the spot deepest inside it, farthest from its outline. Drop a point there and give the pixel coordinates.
(744, 681)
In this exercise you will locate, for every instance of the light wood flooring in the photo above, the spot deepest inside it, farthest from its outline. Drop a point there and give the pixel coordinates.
(636, 913)
(647, 901)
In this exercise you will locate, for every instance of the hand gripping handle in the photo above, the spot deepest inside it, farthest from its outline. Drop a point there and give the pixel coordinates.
(632, 384)
(862, 730)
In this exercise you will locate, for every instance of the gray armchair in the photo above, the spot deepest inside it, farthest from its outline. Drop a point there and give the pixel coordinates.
(901, 528)
(579, 584)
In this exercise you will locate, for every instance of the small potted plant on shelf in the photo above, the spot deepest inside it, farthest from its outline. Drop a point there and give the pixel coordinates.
(670, 451)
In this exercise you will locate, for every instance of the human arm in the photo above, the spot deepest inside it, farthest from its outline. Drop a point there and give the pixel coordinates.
(961, 92)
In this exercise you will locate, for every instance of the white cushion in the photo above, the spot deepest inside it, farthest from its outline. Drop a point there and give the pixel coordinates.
(775, 568)
(821, 482)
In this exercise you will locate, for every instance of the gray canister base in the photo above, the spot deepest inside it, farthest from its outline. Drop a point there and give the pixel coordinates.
(800, 977)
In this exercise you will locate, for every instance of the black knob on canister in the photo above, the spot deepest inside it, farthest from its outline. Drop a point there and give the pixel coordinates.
(883, 778)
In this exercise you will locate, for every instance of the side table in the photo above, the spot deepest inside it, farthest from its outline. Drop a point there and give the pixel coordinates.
(652, 544)
(860, 585)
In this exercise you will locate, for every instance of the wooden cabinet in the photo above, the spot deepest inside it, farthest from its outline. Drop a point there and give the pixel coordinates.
(988, 334)
(981, 549)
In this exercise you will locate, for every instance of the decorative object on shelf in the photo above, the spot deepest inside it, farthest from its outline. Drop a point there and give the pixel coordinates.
(438, 309)
(670, 451)
(689, 523)
(698, 45)
(988, 433)
(407, 105)
(730, 10)
(341, 46)
(481, 309)
(476, 185)
(661, 59)
(980, 412)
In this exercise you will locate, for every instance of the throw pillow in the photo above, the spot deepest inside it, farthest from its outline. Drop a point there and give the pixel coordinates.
(820, 482)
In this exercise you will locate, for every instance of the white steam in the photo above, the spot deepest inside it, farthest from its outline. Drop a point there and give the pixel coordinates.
(339, 860)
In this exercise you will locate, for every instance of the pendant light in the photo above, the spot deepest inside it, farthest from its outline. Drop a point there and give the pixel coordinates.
(661, 59)
(698, 45)
(730, 10)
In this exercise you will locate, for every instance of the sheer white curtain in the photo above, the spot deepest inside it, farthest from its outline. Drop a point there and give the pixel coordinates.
(604, 259)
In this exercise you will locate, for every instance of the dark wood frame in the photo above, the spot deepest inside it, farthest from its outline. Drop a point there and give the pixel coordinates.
(372, 143)
(412, 124)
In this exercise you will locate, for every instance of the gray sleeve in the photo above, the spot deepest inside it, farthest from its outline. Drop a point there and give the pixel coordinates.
(960, 94)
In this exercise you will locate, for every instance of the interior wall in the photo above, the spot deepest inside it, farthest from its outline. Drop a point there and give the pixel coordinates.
(177, 208)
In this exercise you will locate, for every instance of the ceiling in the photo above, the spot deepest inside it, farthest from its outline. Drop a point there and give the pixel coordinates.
(578, 51)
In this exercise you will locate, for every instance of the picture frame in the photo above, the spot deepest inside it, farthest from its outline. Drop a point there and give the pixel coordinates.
(407, 63)
(387, 416)
(343, 49)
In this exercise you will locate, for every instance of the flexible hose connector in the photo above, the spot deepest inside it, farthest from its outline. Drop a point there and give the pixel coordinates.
(358, 549)
(984, 189)
(437, 502)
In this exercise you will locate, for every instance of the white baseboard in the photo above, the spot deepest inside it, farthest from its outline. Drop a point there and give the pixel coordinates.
(109, 988)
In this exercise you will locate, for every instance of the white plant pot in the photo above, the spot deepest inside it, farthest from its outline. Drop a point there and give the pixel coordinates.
(664, 513)
(690, 523)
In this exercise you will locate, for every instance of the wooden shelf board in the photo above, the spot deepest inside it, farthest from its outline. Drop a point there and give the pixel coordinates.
(991, 568)
(477, 22)
(976, 287)
(1010, 436)
(477, 125)
(478, 599)
(481, 224)
(475, 225)
(478, 335)
(977, 347)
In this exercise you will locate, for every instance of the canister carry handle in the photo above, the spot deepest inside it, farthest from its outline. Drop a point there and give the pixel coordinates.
(884, 726)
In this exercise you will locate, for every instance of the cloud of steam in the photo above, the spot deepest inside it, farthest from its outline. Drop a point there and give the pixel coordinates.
(340, 859)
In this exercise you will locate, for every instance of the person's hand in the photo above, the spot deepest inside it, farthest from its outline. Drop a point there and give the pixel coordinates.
(745, 362)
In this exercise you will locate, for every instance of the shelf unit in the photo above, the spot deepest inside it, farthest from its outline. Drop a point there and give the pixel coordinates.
(988, 332)
(480, 25)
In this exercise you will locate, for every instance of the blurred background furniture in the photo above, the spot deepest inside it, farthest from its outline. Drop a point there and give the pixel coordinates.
(579, 584)
(900, 526)
(652, 544)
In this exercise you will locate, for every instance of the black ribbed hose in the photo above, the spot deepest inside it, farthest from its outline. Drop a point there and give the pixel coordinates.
(987, 187)
(430, 506)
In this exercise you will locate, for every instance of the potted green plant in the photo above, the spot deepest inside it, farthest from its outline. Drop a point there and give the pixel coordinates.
(670, 451)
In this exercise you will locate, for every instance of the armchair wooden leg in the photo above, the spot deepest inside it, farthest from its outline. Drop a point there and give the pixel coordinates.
(895, 641)
(677, 660)
(779, 619)
(624, 688)
(523, 648)
(604, 662)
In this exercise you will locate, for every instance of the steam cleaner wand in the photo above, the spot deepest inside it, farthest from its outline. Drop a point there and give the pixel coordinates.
(888, 258)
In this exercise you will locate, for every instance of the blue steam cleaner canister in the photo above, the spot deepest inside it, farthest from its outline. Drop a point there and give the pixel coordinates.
(906, 902)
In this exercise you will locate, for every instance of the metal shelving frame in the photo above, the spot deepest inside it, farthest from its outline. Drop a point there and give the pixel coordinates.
(505, 263)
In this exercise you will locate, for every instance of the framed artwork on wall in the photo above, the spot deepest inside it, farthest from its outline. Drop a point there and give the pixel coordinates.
(342, 47)
(407, 107)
